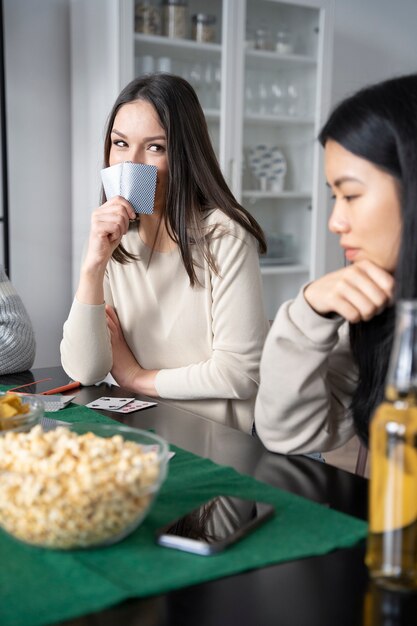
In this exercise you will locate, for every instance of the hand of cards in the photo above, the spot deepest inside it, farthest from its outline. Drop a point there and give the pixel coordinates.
(134, 181)
(120, 405)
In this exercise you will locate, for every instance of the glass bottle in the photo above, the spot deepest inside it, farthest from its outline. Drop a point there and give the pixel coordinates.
(392, 541)
(385, 607)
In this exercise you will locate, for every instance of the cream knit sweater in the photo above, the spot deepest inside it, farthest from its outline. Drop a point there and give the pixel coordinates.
(17, 340)
(205, 341)
(308, 377)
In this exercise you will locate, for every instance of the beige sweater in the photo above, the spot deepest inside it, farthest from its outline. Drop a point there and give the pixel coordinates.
(307, 381)
(206, 341)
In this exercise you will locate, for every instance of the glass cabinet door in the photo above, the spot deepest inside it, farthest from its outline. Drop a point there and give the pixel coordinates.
(258, 69)
(280, 118)
(183, 38)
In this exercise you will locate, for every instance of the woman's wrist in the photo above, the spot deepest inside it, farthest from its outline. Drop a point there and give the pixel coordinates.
(138, 380)
(145, 382)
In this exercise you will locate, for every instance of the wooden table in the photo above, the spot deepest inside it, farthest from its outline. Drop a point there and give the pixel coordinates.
(331, 590)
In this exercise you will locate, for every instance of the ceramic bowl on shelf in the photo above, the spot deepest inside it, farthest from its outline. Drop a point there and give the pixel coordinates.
(85, 486)
(278, 170)
(269, 166)
(19, 412)
(280, 249)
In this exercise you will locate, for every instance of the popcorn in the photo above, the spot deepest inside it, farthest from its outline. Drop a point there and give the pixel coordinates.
(62, 490)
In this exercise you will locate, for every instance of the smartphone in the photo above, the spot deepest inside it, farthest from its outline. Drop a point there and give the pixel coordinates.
(214, 525)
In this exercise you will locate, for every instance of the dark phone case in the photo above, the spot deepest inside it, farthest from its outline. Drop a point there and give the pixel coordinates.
(204, 548)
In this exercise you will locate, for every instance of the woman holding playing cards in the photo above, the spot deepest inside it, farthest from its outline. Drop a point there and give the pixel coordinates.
(170, 303)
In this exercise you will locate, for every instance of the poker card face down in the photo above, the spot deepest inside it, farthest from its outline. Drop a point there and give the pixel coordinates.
(120, 405)
(134, 181)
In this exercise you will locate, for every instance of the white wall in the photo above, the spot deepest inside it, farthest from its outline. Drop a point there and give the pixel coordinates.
(37, 54)
(373, 40)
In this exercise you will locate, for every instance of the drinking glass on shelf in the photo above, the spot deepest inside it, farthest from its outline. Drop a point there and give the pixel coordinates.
(208, 97)
(217, 85)
(195, 78)
(251, 89)
(144, 64)
(250, 93)
(163, 64)
(250, 99)
(277, 97)
(263, 97)
(292, 98)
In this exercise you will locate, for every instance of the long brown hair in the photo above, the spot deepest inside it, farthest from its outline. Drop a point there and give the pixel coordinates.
(195, 182)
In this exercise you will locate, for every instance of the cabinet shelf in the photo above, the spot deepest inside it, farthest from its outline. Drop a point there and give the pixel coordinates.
(171, 45)
(273, 270)
(270, 55)
(266, 195)
(277, 120)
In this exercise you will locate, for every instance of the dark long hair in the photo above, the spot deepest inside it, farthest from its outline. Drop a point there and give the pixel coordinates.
(195, 182)
(379, 123)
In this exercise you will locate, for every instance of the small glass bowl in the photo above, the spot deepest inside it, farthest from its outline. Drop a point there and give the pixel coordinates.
(23, 422)
(82, 504)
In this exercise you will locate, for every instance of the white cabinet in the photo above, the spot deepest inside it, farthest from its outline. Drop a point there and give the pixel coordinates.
(264, 86)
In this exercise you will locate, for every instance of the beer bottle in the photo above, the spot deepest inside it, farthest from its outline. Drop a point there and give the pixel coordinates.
(384, 607)
(391, 554)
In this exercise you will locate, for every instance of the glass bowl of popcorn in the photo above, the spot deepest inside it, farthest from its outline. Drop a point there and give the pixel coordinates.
(85, 486)
(19, 412)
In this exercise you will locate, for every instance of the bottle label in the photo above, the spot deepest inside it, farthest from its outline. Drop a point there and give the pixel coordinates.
(393, 487)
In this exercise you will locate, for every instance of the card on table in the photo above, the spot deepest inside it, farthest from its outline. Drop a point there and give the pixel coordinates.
(109, 404)
(135, 405)
(120, 405)
(55, 402)
(134, 181)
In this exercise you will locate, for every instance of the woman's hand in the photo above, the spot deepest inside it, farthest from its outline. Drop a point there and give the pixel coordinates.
(108, 225)
(357, 292)
(126, 371)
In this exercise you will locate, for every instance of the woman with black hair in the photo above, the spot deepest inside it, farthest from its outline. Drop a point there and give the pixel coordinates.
(325, 360)
(184, 318)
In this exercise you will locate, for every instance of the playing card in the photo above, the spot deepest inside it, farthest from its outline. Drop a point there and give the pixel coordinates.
(109, 404)
(135, 405)
(134, 181)
(56, 402)
(155, 448)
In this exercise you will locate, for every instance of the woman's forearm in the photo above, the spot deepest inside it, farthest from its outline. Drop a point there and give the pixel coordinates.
(90, 288)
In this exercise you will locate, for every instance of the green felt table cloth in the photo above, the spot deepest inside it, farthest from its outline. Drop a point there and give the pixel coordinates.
(40, 586)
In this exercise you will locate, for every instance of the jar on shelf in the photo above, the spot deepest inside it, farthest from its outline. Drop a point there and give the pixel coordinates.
(174, 14)
(203, 27)
(147, 18)
(263, 39)
(283, 42)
